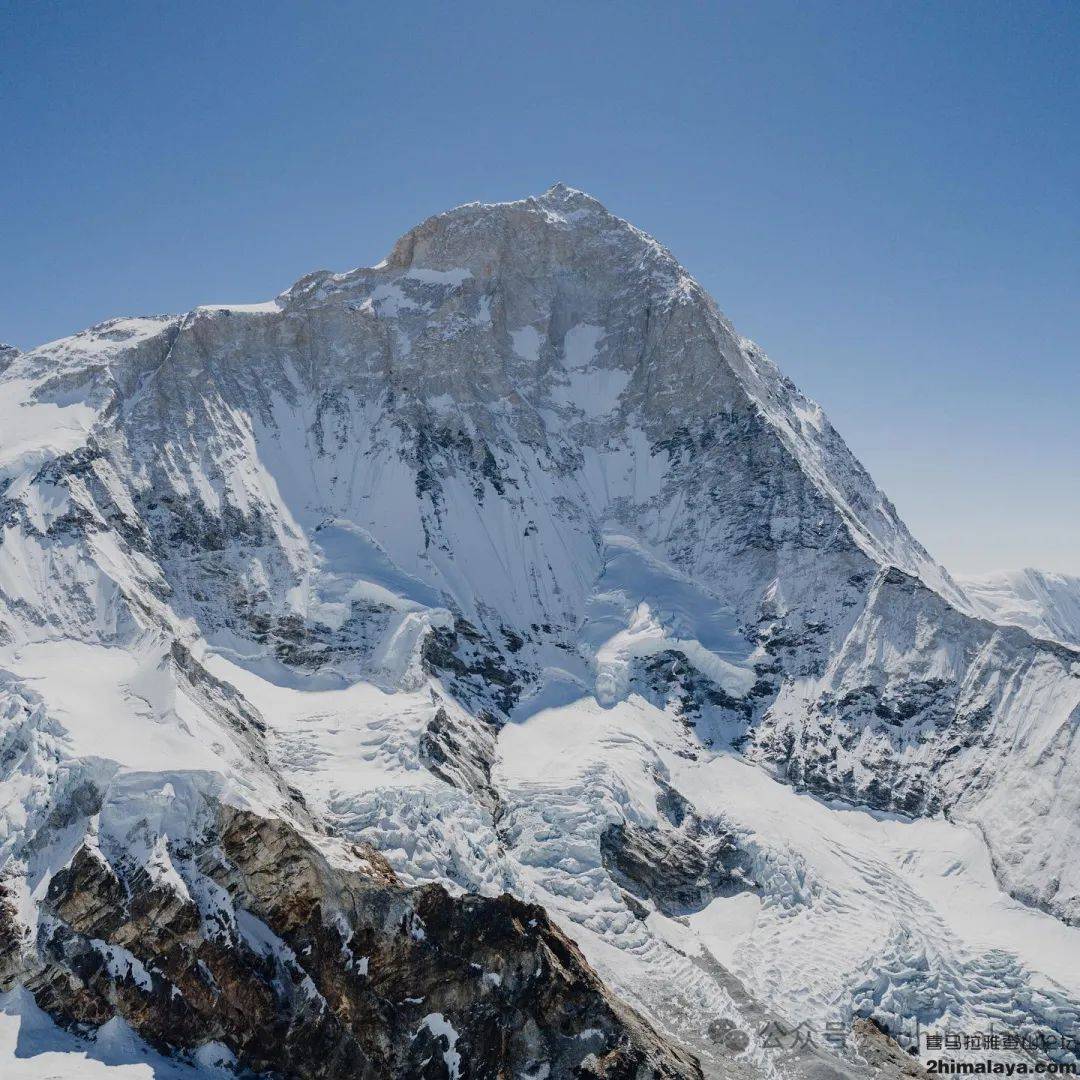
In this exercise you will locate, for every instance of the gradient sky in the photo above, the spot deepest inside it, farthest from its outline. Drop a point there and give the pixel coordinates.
(885, 195)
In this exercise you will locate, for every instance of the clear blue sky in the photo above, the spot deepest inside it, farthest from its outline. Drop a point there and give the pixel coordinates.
(885, 195)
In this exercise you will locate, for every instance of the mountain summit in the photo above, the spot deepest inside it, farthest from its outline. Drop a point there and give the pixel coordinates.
(495, 633)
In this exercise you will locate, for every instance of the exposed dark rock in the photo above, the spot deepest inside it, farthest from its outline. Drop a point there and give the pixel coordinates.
(7, 355)
(82, 799)
(306, 969)
(219, 698)
(680, 869)
(882, 1054)
(14, 937)
(440, 449)
(461, 751)
(474, 668)
(669, 679)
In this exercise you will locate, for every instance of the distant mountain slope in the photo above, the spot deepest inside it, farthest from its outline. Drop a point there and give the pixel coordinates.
(1044, 603)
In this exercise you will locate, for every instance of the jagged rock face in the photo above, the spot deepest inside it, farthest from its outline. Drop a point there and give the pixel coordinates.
(938, 725)
(306, 969)
(681, 866)
(882, 1053)
(7, 355)
(506, 557)
(676, 871)
(462, 753)
(542, 366)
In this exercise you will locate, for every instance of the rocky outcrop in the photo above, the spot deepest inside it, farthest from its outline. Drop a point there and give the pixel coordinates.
(681, 866)
(311, 968)
(883, 1055)
(461, 750)
(931, 723)
(480, 671)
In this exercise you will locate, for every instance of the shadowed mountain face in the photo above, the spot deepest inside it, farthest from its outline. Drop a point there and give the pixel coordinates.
(506, 559)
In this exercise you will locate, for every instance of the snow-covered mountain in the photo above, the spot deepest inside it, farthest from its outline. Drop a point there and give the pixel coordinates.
(1045, 604)
(503, 567)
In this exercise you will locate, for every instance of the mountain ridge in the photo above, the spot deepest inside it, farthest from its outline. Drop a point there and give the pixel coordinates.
(821, 455)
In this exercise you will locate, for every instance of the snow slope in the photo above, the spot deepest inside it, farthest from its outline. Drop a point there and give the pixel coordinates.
(1045, 604)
